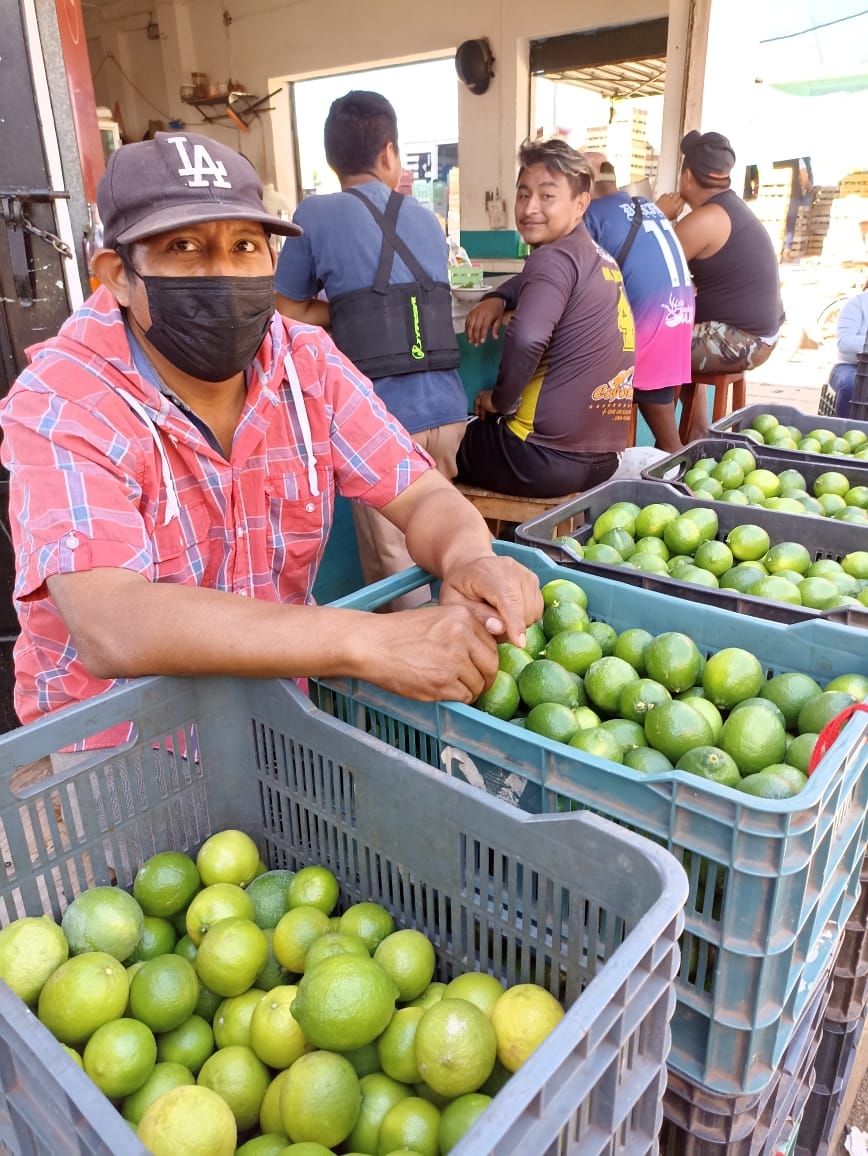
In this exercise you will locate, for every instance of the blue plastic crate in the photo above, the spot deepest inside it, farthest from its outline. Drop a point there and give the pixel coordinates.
(572, 902)
(765, 877)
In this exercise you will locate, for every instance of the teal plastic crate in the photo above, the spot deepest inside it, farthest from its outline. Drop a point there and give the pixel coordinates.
(766, 878)
(572, 902)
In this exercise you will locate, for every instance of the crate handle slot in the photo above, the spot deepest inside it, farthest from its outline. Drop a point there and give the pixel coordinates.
(510, 790)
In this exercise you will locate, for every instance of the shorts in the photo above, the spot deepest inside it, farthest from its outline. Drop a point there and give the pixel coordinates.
(664, 396)
(720, 348)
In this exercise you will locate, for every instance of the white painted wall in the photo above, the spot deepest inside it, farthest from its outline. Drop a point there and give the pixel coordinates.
(265, 44)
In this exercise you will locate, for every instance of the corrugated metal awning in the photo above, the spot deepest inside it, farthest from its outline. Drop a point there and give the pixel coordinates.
(618, 81)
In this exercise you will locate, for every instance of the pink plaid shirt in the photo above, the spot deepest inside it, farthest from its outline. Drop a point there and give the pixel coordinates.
(107, 471)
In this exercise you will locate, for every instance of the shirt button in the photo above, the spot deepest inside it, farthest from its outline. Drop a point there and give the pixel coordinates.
(310, 507)
(243, 593)
(239, 533)
(71, 542)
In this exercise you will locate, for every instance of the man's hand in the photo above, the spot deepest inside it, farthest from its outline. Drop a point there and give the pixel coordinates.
(484, 318)
(671, 205)
(483, 405)
(503, 595)
(429, 654)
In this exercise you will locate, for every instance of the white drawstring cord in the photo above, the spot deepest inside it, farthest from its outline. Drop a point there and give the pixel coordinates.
(173, 506)
(298, 400)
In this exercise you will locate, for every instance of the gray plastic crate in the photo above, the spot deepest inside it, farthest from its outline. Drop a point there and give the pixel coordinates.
(765, 877)
(740, 419)
(824, 537)
(572, 902)
(672, 468)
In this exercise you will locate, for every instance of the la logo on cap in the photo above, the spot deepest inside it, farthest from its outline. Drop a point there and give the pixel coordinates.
(201, 167)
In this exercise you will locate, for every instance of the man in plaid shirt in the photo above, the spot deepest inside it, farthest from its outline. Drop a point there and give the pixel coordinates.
(174, 455)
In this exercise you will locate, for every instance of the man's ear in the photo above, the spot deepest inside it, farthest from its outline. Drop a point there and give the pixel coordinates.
(109, 268)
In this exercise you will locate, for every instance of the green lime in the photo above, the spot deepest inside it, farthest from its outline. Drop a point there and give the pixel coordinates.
(639, 697)
(710, 763)
(673, 659)
(820, 710)
(511, 659)
(647, 760)
(605, 679)
(553, 721)
(754, 738)
(748, 543)
(674, 728)
(800, 750)
(789, 692)
(716, 557)
(598, 742)
(653, 518)
(545, 681)
(627, 733)
(630, 646)
(535, 639)
(768, 784)
(560, 590)
(574, 650)
(564, 616)
(732, 675)
(787, 556)
(606, 635)
(269, 897)
(165, 883)
(501, 699)
(617, 517)
(855, 684)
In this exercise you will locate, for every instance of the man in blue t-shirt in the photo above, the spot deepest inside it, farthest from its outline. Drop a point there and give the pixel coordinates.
(339, 253)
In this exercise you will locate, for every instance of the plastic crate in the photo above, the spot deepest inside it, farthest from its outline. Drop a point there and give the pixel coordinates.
(573, 902)
(765, 877)
(740, 419)
(696, 1122)
(810, 466)
(835, 1061)
(824, 537)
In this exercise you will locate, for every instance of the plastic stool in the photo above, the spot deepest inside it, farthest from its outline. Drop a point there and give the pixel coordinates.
(500, 509)
(720, 383)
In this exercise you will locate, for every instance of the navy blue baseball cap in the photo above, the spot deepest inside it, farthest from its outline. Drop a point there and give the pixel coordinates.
(176, 179)
(710, 154)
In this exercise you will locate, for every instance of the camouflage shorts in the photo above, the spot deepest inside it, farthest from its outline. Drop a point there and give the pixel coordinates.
(720, 348)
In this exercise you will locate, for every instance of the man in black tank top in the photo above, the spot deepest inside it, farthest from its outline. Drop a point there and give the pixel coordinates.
(733, 263)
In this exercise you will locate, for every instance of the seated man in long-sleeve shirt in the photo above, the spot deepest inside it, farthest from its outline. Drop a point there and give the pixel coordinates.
(559, 412)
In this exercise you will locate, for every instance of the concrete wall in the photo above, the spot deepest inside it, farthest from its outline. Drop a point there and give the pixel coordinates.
(265, 45)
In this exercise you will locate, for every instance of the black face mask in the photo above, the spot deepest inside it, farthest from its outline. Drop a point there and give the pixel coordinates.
(209, 327)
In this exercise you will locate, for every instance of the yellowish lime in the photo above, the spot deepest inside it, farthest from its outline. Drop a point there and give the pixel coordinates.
(239, 1078)
(396, 1047)
(83, 994)
(189, 1121)
(344, 1002)
(314, 886)
(31, 949)
(432, 994)
(560, 590)
(103, 919)
(270, 1116)
(334, 943)
(523, 1017)
(295, 933)
(163, 1077)
(379, 1094)
(320, 1099)
(456, 1046)
(477, 987)
(211, 904)
(370, 921)
(228, 857)
(275, 1036)
(408, 957)
(412, 1125)
(231, 955)
(273, 1144)
(231, 1023)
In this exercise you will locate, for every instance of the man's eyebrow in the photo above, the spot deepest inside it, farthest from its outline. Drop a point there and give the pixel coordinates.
(546, 181)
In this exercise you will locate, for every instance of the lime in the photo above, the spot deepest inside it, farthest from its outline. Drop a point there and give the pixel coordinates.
(523, 1017)
(768, 784)
(621, 541)
(855, 684)
(820, 710)
(709, 712)
(742, 455)
(818, 593)
(630, 646)
(748, 542)
(31, 949)
(647, 760)
(396, 1046)
(320, 1099)
(189, 1045)
(344, 1002)
(855, 564)
(270, 1117)
(269, 897)
(637, 698)
(553, 721)
(240, 1079)
(459, 1116)
(653, 518)
(158, 938)
(649, 563)
(188, 1121)
(754, 738)
(476, 987)
(412, 1125)
(708, 487)
(777, 589)
(294, 934)
(764, 423)
(334, 943)
(698, 577)
(103, 919)
(534, 639)
(456, 1046)
(379, 1094)
(228, 857)
(765, 480)
(574, 650)
(275, 1036)
(737, 497)
(732, 675)
(231, 955)
(616, 517)
(82, 994)
(408, 957)
(800, 750)
(570, 545)
(600, 552)
(787, 556)
(716, 557)
(511, 659)
(163, 1077)
(545, 681)
(653, 546)
(673, 659)
(165, 883)
(432, 993)
(743, 577)
(276, 1144)
(729, 473)
(598, 742)
(211, 904)
(674, 728)
(561, 590)
(789, 692)
(164, 992)
(232, 1018)
(831, 482)
(370, 921)
(564, 616)
(120, 1056)
(682, 535)
(831, 504)
(628, 734)
(502, 698)
(710, 763)
(605, 679)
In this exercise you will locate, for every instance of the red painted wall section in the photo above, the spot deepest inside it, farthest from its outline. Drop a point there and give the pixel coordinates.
(77, 63)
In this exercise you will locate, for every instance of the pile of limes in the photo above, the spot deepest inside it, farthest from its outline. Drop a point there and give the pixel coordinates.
(658, 538)
(768, 430)
(657, 703)
(226, 1009)
(735, 477)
